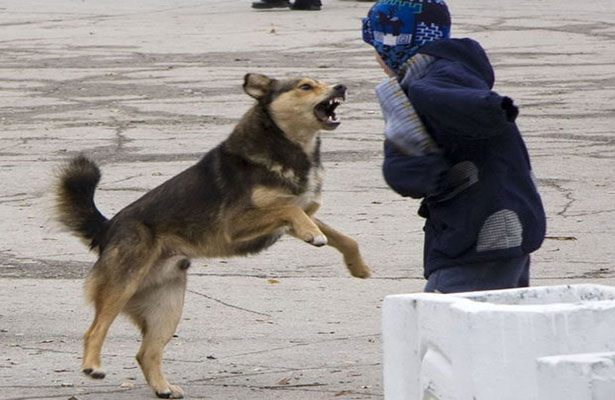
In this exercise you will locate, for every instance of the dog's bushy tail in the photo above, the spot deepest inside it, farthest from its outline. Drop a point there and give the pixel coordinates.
(74, 200)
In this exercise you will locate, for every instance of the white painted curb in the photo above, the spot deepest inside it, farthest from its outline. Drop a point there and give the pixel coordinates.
(487, 345)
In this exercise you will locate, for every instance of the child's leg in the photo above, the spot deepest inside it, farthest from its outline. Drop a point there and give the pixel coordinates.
(491, 275)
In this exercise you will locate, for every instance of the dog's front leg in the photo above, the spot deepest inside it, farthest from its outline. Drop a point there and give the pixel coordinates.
(348, 247)
(263, 221)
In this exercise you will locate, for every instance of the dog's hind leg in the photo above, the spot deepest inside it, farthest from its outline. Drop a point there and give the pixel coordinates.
(109, 301)
(348, 247)
(114, 279)
(157, 310)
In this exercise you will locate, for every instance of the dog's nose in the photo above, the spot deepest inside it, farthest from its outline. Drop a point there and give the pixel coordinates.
(340, 88)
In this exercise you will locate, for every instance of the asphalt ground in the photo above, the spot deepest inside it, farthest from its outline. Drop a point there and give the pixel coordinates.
(146, 87)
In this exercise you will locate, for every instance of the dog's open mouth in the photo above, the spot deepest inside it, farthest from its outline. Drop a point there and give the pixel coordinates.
(325, 112)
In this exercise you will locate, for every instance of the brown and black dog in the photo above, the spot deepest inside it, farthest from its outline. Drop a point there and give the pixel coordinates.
(263, 181)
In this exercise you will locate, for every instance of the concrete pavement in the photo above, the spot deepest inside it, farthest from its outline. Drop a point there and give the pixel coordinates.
(145, 87)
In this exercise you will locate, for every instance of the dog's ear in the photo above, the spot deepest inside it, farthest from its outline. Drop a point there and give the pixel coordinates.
(257, 85)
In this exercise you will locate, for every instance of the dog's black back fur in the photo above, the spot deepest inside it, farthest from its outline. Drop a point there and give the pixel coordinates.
(190, 203)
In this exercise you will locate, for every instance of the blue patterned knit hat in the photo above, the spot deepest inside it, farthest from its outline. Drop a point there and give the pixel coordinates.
(398, 28)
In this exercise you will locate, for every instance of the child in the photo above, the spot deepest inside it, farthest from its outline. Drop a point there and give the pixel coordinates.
(452, 141)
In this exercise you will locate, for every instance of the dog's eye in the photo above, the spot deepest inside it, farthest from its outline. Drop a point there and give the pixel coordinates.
(306, 86)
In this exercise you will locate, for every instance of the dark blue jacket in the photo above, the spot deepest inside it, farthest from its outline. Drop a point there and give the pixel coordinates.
(479, 197)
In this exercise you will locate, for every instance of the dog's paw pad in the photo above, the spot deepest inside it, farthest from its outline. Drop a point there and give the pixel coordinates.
(94, 373)
(319, 241)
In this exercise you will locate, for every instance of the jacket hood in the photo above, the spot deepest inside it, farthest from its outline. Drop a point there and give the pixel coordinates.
(466, 51)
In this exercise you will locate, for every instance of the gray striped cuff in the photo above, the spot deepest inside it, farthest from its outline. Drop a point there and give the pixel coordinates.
(403, 127)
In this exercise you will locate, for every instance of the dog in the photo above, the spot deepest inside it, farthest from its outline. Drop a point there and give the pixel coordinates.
(260, 183)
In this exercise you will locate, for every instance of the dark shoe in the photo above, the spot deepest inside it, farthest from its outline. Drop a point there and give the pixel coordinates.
(309, 5)
(264, 4)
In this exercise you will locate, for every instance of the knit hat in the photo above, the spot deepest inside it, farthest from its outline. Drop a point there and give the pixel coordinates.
(398, 28)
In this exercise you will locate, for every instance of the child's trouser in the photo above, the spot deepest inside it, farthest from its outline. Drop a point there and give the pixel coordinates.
(491, 275)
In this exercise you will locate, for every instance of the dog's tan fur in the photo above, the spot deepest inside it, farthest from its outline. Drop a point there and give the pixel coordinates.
(263, 181)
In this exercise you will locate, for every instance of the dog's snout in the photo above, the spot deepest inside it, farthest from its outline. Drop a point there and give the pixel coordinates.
(340, 88)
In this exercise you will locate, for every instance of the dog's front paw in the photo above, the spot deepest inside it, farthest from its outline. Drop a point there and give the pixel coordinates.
(172, 392)
(357, 267)
(318, 241)
(359, 272)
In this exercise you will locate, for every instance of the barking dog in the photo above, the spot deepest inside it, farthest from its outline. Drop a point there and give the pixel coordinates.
(263, 181)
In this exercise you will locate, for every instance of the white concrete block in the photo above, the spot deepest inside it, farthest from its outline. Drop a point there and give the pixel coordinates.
(484, 345)
(577, 377)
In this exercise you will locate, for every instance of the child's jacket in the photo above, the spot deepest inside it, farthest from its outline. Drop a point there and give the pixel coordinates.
(479, 197)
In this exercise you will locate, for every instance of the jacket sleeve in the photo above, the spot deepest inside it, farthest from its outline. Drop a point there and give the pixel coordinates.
(403, 126)
(461, 109)
(413, 176)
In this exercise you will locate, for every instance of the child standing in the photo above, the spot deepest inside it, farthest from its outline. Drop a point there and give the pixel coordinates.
(453, 142)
